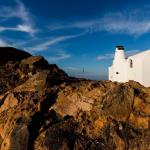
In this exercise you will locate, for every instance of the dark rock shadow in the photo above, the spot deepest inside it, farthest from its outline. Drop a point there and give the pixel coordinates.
(39, 119)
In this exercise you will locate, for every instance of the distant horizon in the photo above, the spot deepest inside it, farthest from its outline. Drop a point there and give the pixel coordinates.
(76, 34)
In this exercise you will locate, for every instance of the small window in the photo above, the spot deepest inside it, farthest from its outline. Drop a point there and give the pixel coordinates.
(117, 72)
(131, 63)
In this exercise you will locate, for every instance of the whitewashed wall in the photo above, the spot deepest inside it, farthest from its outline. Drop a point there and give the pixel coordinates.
(117, 72)
(139, 72)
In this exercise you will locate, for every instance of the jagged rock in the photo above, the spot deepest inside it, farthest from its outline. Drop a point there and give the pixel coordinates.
(117, 102)
(9, 101)
(77, 97)
(35, 83)
(42, 108)
(35, 61)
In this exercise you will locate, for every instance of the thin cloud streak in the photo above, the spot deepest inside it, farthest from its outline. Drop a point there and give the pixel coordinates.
(81, 25)
(110, 56)
(45, 45)
(19, 12)
(118, 22)
(24, 13)
(19, 28)
(58, 57)
(3, 43)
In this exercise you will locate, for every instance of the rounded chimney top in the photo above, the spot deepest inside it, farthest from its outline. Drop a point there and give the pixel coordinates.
(120, 47)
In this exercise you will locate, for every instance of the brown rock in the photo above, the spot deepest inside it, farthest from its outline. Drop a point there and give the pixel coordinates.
(117, 102)
(35, 61)
(141, 106)
(42, 108)
(35, 83)
(9, 102)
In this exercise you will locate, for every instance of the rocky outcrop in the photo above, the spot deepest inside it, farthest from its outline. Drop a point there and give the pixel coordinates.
(42, 108)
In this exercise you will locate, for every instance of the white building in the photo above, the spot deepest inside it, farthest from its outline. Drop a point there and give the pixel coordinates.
(134, 67)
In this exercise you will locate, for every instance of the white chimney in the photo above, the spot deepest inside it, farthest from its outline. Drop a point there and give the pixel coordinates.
(119, 55)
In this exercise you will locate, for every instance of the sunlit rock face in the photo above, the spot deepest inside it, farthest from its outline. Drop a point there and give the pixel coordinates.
(42, 108)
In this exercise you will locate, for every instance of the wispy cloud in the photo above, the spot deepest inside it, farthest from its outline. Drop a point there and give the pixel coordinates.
(87, 24)
(132, 52)
(45, 45)
(3, 43)
(20, 28)
(24, 13)
(128, 22)
(104, 57)
(18, 12)
(122, 23)
(110, 55)
(61, 55)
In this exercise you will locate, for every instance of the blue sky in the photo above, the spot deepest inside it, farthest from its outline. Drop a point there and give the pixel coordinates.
(76, 34)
